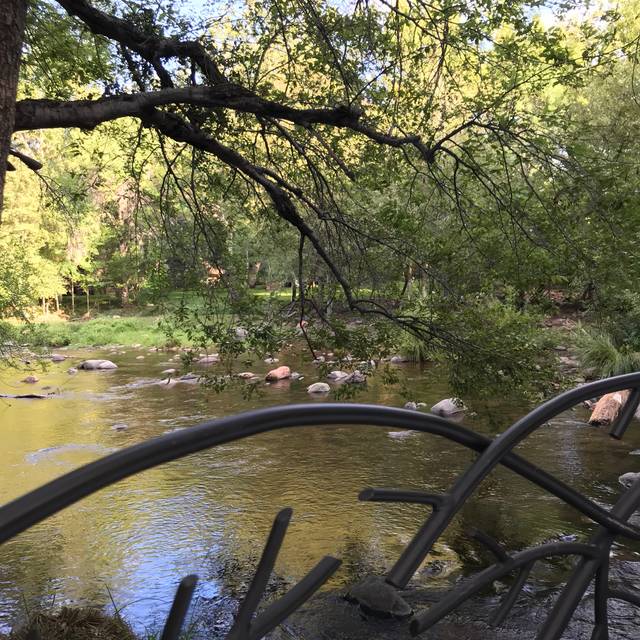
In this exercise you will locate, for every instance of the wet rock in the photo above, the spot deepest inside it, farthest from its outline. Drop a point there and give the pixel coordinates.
(357, 377)
(168, 372)
(398, 359)
(629, 479)
(241, 333)
(281, 373)
(30, 379)
(319, 360)
(271, 360)
(139, 357)
(635, 452)
(448, 407)
(211, 358)
(337, 375)
(411, 405)
(296, 375)
(120, 426)
(246, 375)
(94, 365)
(189, 376)
(318, 387)
(72, 371)
(377, 597)
(57, 357)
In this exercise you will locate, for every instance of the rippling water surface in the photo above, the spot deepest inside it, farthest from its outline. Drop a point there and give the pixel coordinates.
(209, 512)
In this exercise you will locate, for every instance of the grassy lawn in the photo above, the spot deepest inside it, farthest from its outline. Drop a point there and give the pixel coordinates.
(135, 325)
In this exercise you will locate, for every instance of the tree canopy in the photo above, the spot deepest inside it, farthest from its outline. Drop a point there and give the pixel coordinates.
(409, 160)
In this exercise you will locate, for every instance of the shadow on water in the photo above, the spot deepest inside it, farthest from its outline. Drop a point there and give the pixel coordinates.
(209, 513)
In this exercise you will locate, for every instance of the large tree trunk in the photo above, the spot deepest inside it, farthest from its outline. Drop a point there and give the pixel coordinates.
(12, 17)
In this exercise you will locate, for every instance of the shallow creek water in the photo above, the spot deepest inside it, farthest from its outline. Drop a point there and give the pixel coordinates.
(210, 512)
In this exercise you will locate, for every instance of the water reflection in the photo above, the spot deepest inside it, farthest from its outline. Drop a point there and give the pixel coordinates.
(210, 513)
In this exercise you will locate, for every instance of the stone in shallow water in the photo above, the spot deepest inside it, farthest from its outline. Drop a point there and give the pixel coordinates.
(377, 597)
(93, 365)
(448, 407)
(318, 387)
(628, 479)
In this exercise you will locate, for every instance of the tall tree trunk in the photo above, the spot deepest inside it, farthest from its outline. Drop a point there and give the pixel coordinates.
(252, 274)
(12, 17)
(73, 299)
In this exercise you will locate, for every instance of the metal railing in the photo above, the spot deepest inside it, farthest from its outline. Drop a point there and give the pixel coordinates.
(593, 563)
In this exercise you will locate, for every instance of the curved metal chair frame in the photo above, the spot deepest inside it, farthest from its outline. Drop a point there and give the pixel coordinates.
(593, 563)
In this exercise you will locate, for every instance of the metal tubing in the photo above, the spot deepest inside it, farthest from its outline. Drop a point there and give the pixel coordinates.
(416, 551)
(601, 598)
(401, 495)
(627, 596)
(423, 621)
(179, 608)
(274, 614)
(490, 543)
(620, 425)
(557, 621)
(512, 596)
(251, 601)
(35, 506)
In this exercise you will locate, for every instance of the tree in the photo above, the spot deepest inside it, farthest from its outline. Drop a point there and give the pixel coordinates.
(315, 106)
(11, 31)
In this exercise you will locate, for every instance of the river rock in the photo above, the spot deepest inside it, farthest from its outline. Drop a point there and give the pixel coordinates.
(241, 333)
(379, 598)
(168, 372)
(209, 359)
(30, 379)
(448, 407)
(57, 357)
(319, 360)
(281, 373)
(120, 426)
(357, 377)
(398, 359)
(93, 365)
(139, 357)
(412, 406)
(627, 480)
(337, 375)
(296, 375)
(189, 376)
(246, 375)
(271, 360)
(318, 387)
(72, 371)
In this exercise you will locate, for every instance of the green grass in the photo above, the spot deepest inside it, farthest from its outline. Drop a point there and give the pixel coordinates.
(598, 351)
(97, 332)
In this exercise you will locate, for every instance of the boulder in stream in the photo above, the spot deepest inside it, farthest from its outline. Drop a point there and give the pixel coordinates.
(377, 597)
(210, 358)
(280, 373)
(448, 407)
(95, 365)
(318, 387)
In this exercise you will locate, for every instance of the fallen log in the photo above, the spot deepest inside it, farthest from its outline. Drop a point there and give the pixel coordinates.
(608, 407)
